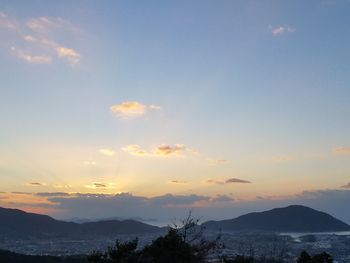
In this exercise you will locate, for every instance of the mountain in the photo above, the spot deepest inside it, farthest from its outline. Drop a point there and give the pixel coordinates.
(19, 224)
(294, 218)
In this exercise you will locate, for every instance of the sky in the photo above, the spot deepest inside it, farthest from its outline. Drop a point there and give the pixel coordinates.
(154, 108)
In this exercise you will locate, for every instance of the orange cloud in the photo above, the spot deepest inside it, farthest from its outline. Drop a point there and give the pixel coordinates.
(131, 109)
(163, 150)
(167, 150)
(341, 150)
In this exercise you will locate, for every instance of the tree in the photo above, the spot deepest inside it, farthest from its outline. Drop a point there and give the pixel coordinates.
(184, 243)
(322, 258)
(304, 257)
(120, 253)
(318, 258)
(170, 248)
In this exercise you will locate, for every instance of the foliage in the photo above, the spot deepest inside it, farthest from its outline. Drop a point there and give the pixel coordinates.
(183, 243)
(318, 258)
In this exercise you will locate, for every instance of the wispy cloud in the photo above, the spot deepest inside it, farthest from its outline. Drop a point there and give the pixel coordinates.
(48, 24)
(36, 184)
(107, 152)
(52, 194)
(279, 30)
(216, 162)
(131, 109)
(227, 181)
(135, 149)
(62, 186)
(177, 182)
(71, 55)
(341, 150)
(222, 198)
(168, 150)
(100, 185)
(236, 180)
(6, 22)
(163, 150)
(31, 58)
(34, 40)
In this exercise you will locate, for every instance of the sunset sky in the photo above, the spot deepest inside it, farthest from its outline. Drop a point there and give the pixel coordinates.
(152, 108)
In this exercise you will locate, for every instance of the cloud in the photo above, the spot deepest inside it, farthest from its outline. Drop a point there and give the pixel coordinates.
(169, 206)
(34, 41)
(163, 150)
(131, 109)
(222, 198)
(99, 185)
(236, 180)
(107, 152)
(212, 181)
(31, 58)
(279, 30)
(62, 186)
(45, 24)
(228, 181)
(135, 149)
(216, 162)
(36, 184)
(7, 23)
(167, 150)
(177, 182)
(341, 150)
(72, 56)
(346, 186)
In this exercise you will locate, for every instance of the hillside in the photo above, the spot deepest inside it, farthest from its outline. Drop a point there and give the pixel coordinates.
(293, 218)
(19, 224)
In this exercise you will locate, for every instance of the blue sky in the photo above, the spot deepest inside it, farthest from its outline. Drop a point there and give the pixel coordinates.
(174, 97)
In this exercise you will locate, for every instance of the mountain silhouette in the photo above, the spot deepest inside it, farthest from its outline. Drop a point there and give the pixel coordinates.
(19, 224)
(294, 218)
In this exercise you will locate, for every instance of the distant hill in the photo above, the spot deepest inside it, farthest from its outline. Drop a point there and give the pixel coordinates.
(15, 223)
(294, 218)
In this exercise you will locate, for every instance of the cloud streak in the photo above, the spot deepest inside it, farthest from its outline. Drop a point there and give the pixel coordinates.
(163, 150)
(36, 184)
(227, 181)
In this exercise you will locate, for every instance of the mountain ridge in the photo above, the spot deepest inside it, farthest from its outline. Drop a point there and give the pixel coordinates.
(293, 218)
(19, 224)
(15, 223)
